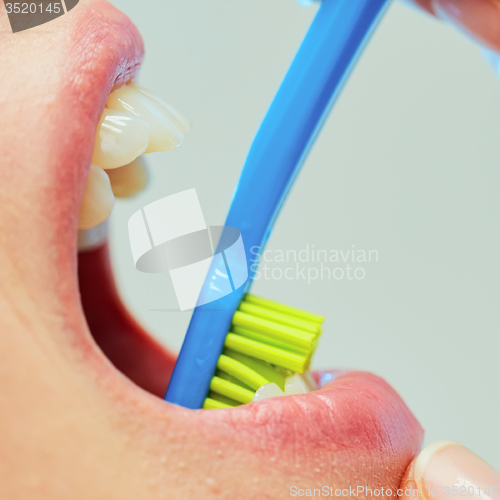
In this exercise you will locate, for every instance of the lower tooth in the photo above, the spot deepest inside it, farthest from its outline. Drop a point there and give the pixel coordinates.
(120, 139)
(296, 384)
(98, 199)
(267, 391)
(129, 180)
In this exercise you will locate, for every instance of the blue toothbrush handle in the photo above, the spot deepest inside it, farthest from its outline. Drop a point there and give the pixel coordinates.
(328, 53)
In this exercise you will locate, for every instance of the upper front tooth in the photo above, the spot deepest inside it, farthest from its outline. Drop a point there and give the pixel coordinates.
(183, 122)
(120, 139)
(167, 132)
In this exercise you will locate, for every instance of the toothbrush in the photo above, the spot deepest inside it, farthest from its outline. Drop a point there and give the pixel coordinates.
(323, 63)
(269, 343)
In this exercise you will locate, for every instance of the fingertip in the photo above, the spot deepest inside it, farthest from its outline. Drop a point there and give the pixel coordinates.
(441, 470)
(425, 456)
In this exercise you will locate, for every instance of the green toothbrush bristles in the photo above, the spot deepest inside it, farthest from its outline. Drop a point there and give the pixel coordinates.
(231, 390)
(269, 372)
(215, 404)
(268, 342)
(279, 357)
(290, 311)
(257, 311)
(277, 331)
(241, 372)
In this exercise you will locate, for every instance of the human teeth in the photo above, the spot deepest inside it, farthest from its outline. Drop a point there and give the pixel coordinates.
(129, 180)
(183, 122)
(120, 139)
(98, 199)
(267, 391)
(167, 130)
(296, 384)
(134, 122)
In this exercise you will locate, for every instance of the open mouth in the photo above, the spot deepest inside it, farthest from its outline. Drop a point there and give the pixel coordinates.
(354, 430)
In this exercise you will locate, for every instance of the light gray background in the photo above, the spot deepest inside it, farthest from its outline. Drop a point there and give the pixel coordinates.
(408, 164)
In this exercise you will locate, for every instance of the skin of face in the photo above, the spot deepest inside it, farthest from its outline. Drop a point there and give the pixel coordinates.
(80, 415)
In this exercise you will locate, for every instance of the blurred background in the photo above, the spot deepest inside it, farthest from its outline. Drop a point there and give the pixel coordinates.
(407, 166)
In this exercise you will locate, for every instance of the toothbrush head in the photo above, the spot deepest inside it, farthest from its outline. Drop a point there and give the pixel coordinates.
(268, 343)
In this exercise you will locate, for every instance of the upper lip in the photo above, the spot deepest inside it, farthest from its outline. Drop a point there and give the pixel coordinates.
(358, 419)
